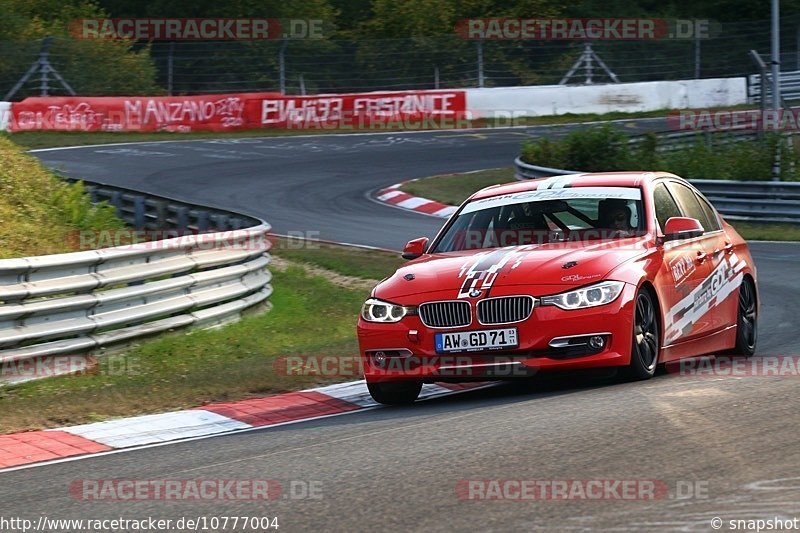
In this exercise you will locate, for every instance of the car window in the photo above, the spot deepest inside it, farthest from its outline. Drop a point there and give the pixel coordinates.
(711, 215)
(665, 205)
(531, 217)
(689, 203)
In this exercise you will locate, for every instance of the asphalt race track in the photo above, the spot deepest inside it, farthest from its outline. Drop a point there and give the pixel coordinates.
(316, 183)
(734, 441)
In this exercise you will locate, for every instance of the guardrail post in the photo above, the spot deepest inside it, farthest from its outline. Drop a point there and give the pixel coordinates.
(202, 221)
(221, 222)
(182, 214)
(162, 219)
(116, 201)
(138, 212)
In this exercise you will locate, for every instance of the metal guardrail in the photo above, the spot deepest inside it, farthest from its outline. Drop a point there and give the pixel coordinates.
(760, 201)
(790, 87)
(74, 303)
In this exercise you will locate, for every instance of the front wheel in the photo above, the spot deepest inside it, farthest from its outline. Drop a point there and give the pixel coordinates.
(646, 345)
(395, 392)
(746, 320)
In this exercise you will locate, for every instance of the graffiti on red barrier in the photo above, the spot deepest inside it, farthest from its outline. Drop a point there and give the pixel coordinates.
(232, 111)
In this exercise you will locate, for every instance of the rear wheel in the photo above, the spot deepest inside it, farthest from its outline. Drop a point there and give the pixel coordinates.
(646, 342)
(395, 392)
(746, 320)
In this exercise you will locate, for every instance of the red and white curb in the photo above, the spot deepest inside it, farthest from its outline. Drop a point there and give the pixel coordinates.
(394, 196)
(20, 449)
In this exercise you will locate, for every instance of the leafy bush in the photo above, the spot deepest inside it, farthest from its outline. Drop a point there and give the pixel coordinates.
(603, 148)
(591, 149)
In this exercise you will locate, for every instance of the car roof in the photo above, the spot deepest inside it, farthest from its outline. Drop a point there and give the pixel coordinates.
(589, 179)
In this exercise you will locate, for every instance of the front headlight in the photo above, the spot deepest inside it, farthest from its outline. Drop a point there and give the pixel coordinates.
(375, 310)
(601, 293)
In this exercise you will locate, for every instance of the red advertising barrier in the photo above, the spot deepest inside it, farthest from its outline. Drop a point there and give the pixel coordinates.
(224, 112)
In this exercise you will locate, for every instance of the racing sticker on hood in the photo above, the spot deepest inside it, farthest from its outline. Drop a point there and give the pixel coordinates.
(721, 283)
(480, 272)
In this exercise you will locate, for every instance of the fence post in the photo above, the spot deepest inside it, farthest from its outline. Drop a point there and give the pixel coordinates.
(282, 66)
(696, 54)
(170, 65)
(776, 80)
(42, 64)
(436, 77)
(480, 63)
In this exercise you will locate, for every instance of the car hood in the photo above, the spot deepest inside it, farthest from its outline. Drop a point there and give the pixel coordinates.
(563, 264)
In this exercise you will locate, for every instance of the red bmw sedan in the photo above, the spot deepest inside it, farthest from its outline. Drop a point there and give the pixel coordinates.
(623, 269)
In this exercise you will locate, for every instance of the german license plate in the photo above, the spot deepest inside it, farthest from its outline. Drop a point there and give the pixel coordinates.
(472, 341)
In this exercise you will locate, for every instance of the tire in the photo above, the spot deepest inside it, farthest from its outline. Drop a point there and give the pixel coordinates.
(646, 343)
(395, 392)
(746, 320)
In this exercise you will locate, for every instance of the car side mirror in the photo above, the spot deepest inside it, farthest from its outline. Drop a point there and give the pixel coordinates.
(415, 248)
(680, 228)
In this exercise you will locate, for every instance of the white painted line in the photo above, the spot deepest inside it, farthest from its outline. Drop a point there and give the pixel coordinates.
(429, 392)
(316, 135)
(162, 427)
(363, 134)
(167, 443)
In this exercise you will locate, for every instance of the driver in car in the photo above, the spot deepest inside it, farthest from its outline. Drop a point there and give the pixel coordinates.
(616, 216)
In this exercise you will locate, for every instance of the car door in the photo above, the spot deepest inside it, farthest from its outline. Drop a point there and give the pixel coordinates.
(680, 275)
(697, 309)
(724, 286)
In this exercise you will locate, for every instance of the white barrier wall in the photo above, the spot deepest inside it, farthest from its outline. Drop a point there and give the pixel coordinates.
(5, 115)
(625, 97)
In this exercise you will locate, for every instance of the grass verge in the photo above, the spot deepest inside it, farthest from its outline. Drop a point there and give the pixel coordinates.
(455, 188)
(452, 189)
(188, 370)
(349, 261)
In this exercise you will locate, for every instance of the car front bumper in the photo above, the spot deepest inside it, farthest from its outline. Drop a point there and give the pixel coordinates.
(405, 350)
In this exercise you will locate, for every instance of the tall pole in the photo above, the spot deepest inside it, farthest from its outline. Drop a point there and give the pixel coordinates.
(480, 63)
(776, 55)
(696, 55)
(282, 66)
(776, 81)
(170, 66)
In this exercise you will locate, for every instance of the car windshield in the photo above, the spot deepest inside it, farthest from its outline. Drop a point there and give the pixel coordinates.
(534, 217)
